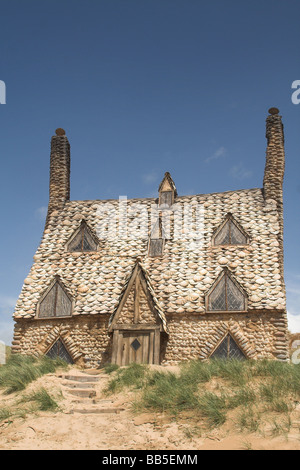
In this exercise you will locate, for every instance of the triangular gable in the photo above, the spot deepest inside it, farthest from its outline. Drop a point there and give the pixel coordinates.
(138, 304)
(168, 184)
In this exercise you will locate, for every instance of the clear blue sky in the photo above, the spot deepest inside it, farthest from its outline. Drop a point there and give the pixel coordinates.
(142, 87)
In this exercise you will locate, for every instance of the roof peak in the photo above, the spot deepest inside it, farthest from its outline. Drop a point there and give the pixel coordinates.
(167, 181)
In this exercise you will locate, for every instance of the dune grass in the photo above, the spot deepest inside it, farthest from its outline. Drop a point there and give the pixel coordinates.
(20, 370)
(252, 388)
(110, 368)
(41, 399)
(16, 374)
(132, 376)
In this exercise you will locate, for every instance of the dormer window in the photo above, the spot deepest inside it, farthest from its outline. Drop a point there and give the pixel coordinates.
(157, 239)
(56, 302)
(83, 240)
(230, 233)
(166, 198)
(226, 295)
(156, 247)
(167, 191)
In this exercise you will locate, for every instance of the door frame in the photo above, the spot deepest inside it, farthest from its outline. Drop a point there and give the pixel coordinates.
(154, 344)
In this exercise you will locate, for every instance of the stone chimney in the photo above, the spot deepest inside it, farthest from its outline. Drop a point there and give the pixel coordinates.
(274, 174)
(275, 160)
(59, 189)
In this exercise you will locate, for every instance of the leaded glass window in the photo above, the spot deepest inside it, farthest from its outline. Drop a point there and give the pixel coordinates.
(230, 234)
(58, 350)
(56, 303)
(228, 349)
(83, 241)
(226, 296)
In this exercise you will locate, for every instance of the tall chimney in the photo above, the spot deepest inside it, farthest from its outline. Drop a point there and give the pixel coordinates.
(59, 189)
(274, 173)
(275, 160)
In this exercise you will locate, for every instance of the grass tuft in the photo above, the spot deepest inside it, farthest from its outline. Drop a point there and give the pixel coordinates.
(110, 368)
(20, 370)
(131, 376)
(42, 399)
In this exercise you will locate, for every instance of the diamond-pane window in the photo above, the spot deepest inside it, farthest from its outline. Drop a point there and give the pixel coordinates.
(230, 234)
(226, 296)
(228, 349)
(136, 344)
(59, 350)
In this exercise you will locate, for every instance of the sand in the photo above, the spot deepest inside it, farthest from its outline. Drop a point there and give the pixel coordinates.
(119, 428)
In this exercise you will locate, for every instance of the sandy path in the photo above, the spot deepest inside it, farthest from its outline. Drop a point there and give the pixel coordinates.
(66, 430)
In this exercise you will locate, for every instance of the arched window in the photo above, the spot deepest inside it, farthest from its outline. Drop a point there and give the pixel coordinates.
(230, 233)
(55, 302)
(226, 296)
(83, 240)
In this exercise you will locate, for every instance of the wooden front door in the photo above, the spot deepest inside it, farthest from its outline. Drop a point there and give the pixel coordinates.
(140, 347)
(136, 347)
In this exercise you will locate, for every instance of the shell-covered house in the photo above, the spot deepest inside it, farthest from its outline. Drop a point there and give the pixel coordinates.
(158, 280)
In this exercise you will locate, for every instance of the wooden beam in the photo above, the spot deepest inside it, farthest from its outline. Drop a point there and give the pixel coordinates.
(137, 300)
(137, 327)
(115, 347)
(151, 348)
(119, 348)
(156, 347)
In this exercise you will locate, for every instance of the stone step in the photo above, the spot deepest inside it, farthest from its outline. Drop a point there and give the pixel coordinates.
(98, 411)
(94, 401)
(94, 372)
(82, 393)
(81, 378)
(81, 385)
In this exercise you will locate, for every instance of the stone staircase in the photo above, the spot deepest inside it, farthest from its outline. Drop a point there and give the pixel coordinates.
(84, 388)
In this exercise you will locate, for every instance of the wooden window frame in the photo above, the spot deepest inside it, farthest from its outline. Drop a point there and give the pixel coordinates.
(162, 248)
(173, 198)
(83, 227)
(207, 301)
(229, 219)
(229, 335)
(64, 345)
(54, 317)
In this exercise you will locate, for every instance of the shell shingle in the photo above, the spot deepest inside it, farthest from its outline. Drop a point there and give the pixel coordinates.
(187, 269)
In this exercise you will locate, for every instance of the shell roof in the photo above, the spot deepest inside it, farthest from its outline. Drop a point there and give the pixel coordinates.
(179, 279)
